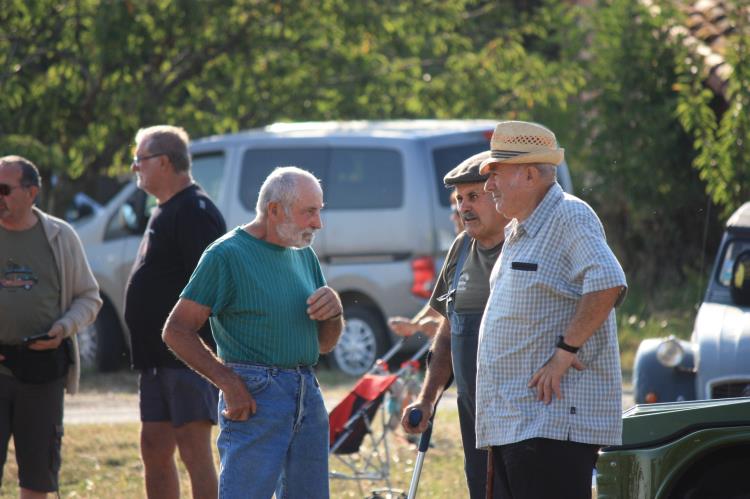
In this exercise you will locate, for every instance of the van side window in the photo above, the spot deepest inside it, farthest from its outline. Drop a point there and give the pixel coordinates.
(447, 158)
(258, 163)
(364, 179)
(208, 172)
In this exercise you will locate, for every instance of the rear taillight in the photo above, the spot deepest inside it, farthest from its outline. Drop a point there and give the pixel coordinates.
(488, 134)
(423, 273)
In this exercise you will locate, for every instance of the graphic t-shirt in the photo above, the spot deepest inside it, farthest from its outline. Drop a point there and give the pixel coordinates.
(29, 285)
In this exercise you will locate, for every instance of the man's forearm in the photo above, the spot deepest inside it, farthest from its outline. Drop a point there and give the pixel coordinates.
(440, 367)
(591, 312)
(329, 332)
(189, 347)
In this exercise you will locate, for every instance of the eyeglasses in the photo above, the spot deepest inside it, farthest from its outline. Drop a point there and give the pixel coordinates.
(6, 189)
(137, 160)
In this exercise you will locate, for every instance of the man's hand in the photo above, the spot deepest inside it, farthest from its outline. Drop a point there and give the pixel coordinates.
(57, 334)
(324, 304)
(407, 327)
(402, 326)
(240, 405)
(426, 409)
(547, 379)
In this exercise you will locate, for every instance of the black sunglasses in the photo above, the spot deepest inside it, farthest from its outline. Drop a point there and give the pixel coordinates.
(6, 189)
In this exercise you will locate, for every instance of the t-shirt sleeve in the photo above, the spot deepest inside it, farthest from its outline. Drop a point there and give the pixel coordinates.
(320, 279)
(443, 281)
(199, 224)
(593, 264)
(211, 284)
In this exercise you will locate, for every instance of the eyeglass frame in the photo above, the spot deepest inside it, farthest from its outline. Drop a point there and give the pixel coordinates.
(138, 160)
(10, 188)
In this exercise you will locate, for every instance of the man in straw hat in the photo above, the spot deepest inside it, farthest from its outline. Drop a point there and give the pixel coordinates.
(459, 298)
(548, 369)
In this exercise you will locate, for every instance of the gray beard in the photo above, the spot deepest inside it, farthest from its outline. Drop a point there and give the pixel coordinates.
(293, 236)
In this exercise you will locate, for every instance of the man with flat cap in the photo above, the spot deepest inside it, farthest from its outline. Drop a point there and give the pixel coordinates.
(459, 297)
(548, 364)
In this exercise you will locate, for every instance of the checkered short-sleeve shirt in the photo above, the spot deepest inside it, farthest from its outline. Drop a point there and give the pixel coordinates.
(547, 263)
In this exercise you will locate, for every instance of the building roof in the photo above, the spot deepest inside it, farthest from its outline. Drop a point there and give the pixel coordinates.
(705, 33)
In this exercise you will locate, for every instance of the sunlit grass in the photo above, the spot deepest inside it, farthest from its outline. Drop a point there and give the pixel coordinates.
(103, 461)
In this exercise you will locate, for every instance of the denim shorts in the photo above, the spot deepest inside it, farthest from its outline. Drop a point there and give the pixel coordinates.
(283, 447)
(177, 395)
(33, 414)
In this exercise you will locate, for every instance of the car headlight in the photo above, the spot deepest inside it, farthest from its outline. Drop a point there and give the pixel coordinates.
(670, 352)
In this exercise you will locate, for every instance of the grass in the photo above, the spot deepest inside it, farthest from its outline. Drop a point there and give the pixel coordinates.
(103, 460)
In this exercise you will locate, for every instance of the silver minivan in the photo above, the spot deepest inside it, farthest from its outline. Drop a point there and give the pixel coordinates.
(386, 221)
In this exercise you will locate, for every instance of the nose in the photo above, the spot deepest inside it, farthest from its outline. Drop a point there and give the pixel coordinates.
(489, 185)
(134, 166)
(317, 221)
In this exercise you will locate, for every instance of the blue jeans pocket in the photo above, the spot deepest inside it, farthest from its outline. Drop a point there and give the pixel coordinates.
(256, 382)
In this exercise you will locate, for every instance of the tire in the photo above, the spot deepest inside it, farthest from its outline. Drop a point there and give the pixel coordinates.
(102, 344)
(362, 341)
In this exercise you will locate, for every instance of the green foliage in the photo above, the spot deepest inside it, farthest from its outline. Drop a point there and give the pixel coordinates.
(723, 158)
(86, 78)
(630, 154)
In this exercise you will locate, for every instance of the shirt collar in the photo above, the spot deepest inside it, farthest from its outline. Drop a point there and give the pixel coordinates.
(542, 212)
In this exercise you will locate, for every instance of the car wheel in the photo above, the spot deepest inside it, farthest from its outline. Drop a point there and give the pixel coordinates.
(362, 341)
(102, 345)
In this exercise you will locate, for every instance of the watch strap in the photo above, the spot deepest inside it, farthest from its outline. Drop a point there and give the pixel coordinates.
(564, 346)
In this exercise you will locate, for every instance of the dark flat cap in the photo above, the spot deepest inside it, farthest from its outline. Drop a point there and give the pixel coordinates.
(468, 171)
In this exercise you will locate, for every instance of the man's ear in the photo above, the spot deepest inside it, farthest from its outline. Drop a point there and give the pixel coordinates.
(33, 192)
(274, 210)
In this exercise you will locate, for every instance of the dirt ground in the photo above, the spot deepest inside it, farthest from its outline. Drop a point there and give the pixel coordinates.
(113, 398)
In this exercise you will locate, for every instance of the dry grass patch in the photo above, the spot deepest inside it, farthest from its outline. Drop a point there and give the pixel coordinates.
(103, 461)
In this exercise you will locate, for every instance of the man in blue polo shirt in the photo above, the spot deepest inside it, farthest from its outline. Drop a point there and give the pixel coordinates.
(271, 315)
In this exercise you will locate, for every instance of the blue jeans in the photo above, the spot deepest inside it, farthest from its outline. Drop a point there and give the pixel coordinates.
(283, 448)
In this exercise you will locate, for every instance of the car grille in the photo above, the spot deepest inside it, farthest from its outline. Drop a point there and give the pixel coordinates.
(731, 389)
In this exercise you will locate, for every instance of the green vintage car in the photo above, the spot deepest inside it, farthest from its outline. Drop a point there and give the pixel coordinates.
(698, 449)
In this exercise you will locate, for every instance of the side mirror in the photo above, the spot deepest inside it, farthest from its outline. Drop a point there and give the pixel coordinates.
(740, 285)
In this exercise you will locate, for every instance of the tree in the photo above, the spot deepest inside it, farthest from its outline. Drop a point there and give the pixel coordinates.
(629, 147)
(722, 141)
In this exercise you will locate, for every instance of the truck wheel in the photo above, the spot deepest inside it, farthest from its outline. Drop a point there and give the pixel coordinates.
(102, 345)
(362, 341)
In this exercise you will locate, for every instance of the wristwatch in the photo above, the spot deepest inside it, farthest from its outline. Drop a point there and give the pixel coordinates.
(568, 348)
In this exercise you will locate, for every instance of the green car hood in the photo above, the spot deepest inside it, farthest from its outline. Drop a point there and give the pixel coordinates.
(652, 424)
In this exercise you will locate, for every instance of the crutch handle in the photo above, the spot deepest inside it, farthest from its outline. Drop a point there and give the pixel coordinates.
(415, 416)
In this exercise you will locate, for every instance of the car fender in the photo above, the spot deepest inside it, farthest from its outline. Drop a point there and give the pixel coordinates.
(669, 384)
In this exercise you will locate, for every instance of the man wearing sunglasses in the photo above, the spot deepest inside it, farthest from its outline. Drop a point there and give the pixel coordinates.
(178, 407)
(47, 295)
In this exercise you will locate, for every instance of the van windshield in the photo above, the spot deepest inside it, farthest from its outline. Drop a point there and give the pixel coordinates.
(447, 158)
(734, 248)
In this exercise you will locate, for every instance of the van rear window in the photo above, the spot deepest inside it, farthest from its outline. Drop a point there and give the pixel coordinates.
(352, 178)
(447, 158)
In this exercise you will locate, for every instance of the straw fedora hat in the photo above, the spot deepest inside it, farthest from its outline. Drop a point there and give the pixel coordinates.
(515, 142)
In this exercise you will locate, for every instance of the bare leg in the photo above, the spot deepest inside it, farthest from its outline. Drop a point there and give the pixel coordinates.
(157, 451)
(32, 494)
(194, 442)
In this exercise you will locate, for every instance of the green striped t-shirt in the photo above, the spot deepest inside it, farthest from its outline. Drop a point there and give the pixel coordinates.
(257, 293)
